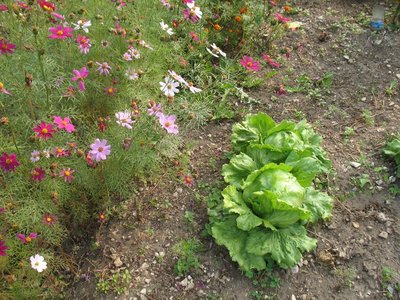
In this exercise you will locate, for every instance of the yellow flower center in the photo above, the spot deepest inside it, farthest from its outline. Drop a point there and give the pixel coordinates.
(59, 150)
(67, 173)
(28, 239)
(64, 123)
(60, 32)
(44, 130)
(167, 124)
(36, 173)
(4, 46)
(8, 161)
(48, 219)
(110, 90)
(100, 149)
(249, 64)
(37, 264)
(1, 85)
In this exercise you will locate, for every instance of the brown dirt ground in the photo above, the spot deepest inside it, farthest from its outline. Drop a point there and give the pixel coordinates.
(348, 261)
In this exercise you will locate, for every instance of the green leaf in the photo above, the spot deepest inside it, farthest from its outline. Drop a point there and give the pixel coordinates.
(277, 179)
(285, 246)
(239, 167)
(233, 202)
(319, 204)
(305, 168)
(227, 234)
(253, 129)
(277, 212)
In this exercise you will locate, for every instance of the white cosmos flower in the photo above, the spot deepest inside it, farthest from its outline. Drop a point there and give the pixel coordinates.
(38, 263)
(132, 74)
(195, 9)
(166, 28)
(82, 24)
(215, 51)
(35, 156)
(144, 44)
(169, 87)
(134, 53)
(124, 118)
(193, 89)
(177, 77)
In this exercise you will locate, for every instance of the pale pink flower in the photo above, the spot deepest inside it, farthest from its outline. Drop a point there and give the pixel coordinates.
(124, 118)
(66, 173)
(84, 44)
(168, 123)
(100, 150)
(104, 68)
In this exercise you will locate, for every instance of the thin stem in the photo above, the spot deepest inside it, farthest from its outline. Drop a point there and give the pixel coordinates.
(14, 141)
(43, 73)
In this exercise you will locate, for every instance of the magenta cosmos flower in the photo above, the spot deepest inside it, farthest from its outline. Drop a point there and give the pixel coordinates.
(6, 47)
(64, 123)
(67, 174)
(3, 248)
(250, 64)
(37, 174)
(49, 219)
(100, 150)
(281, 18)
(8, 162)
(79, 75)
(270, 61)
(3, 7)
(44, 130)
(168, 123)
(84, 44)
(26, 239)
(60, 32)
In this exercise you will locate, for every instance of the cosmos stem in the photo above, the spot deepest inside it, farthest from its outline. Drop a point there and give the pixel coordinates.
(43, 74)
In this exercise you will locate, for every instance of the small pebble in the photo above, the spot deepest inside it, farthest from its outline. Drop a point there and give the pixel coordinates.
(384, 235)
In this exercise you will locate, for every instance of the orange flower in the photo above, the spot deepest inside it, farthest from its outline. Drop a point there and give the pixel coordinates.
(243, 10)
(217, 27)
(238, 19)
(288, 8)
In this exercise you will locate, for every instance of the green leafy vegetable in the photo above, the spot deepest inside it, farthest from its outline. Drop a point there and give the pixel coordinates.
(392, 149)
(269, 198)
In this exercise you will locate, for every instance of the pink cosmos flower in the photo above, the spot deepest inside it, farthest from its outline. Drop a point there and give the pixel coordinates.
(26, 239)
(250, 64)
(23, 5)
(84, 44)
(47, 6)
(168, 123)
(281, 18)
(102, 217)
(44, 130)
(8, 163)
(3, 90)
(110, 91)
(188, 181)
(100, 150)
(59, 152)
(270, 61)
(192, 13)
(187, 1)
(3, 7)
(2, 209)
(37, 174)
(60, 32)
(3, 248)
(79, 75)
(194, 36)
(166, 3)
(67, 174)
(49, 219)
(104, 68)
(64, 123)
(155, 109)
(57, 16)
(6, 47)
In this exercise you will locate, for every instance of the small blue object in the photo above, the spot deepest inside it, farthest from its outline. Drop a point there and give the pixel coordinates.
(377, 25)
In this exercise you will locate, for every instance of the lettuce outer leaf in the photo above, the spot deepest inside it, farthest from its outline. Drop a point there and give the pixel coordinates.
(227, 234)
(319, 204)
(239, 167)
(233, 202)
(285, 246)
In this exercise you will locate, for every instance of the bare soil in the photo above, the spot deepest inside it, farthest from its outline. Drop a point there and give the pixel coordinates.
(353, 248)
